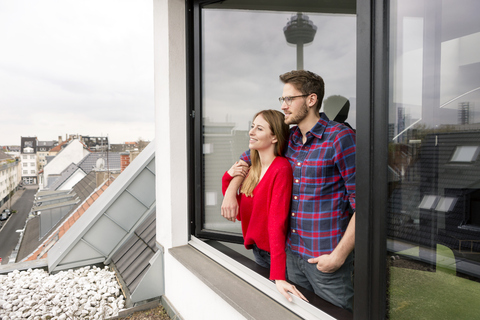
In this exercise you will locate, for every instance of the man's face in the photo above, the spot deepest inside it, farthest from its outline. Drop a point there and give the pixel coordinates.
(298, 110)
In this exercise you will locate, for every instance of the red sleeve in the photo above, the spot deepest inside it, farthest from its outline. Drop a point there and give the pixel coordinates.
(278, 215)
(226, 181)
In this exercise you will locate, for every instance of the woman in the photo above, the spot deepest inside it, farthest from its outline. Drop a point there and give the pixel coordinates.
(264, 199)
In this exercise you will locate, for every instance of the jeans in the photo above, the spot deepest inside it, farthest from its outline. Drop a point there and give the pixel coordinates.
(262, 257)
(336, 287)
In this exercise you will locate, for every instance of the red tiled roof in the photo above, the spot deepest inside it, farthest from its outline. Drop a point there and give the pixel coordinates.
(42, 251)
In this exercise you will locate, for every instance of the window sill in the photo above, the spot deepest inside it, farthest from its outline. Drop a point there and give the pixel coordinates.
(224, 275)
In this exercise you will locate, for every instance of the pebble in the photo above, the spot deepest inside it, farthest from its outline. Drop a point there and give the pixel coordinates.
(92, 293)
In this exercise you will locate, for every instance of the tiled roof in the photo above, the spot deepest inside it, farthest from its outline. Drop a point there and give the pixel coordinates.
(58, 147)
(37, 249)
(4, 156)
(111, 161)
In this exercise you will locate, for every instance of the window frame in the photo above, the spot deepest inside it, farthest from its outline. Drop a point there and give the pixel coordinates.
(372, 140)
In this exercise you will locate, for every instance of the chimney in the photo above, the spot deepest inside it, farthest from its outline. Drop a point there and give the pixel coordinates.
(124, 160)
(60, 140)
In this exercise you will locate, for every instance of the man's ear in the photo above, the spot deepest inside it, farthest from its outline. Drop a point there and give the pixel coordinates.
(312, 100)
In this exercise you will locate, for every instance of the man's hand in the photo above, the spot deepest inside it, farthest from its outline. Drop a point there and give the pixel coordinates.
(327, 263)
(284, 287)
(239, 168)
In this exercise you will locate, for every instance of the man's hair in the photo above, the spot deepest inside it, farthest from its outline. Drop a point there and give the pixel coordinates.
(306, 82)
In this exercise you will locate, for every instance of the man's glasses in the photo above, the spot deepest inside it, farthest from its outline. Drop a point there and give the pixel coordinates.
(288, 100)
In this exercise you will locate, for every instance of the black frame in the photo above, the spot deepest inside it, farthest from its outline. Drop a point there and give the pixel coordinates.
(372, 159)
(372, 149)
(195, 141)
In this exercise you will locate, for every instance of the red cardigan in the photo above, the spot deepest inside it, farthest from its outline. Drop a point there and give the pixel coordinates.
(264, 216)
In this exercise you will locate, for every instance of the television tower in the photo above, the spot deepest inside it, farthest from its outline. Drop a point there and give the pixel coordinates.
(299, 30)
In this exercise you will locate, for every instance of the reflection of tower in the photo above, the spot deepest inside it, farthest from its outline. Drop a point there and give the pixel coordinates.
(463, 113)
(300, 30)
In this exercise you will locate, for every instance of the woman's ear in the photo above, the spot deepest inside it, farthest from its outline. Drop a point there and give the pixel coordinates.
(274, 139)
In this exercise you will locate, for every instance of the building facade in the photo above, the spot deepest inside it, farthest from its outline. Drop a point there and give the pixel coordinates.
(411, 73)
(10, 176)
(28, 151)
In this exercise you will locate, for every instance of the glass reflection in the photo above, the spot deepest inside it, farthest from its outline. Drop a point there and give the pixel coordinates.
(434, 171)
(244, 52)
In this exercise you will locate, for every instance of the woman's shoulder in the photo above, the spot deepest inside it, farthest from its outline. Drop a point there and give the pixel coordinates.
(282, 162)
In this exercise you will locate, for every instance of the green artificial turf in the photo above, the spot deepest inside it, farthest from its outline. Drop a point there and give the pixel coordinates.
(416, 294)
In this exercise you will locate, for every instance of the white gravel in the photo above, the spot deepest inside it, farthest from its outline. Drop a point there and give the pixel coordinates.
(85, 293)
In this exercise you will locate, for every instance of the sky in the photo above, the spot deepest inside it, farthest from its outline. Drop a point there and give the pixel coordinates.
(76, 67)
(246, 51)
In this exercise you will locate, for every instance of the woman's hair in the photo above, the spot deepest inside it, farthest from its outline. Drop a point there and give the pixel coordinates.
(276, 121)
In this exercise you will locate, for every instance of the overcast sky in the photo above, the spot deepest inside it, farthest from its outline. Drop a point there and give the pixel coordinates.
(70, 67)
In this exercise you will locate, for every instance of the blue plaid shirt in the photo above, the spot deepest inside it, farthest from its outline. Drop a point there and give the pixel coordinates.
(323, 186)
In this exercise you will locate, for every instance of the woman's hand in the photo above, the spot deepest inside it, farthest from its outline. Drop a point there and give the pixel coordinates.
(284, 288)
(239, 168)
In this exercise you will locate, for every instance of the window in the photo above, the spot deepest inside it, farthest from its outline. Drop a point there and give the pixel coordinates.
(241, 53)
(32, 171)
(244, 52)
(465, 154)
(25, 171)
(25, 164)
(32, 156)
(433, 222)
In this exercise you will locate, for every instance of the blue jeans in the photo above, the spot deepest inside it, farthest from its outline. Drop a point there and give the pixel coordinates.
(336, 287)
(262, 257)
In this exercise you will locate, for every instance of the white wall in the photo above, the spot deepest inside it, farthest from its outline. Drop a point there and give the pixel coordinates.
(185, 291)
(72, 153)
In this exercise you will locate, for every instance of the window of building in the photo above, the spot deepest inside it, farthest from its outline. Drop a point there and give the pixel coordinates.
(25, 171)
(25, 164)
(243, 52)
(32, 171)
(32, 156)
(465, 154)
(433, 239)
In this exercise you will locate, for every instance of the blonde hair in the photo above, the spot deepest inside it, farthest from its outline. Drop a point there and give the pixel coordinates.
(278, 127)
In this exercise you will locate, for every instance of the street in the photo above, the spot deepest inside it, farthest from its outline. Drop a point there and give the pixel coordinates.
(8, 235)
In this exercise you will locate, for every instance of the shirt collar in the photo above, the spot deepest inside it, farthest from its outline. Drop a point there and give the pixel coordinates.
(317, 130)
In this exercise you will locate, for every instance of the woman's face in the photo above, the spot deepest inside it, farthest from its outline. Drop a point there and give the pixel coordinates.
(261, 137)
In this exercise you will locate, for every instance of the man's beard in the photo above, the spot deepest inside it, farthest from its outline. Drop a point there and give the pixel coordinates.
(302, 114)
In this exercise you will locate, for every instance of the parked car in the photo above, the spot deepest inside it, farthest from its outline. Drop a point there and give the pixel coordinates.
(3, 216)
(8, 212)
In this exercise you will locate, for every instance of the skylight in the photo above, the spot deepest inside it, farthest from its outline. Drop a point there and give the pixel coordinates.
(465, 154)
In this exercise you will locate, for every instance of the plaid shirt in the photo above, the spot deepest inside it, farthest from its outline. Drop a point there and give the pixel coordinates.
(323, 186)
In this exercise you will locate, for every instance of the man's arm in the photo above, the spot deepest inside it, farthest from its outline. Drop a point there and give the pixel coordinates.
(329, 263)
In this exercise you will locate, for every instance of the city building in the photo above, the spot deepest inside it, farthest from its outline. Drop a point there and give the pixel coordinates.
(408, 65)
(43, 148)
(28, 150)
(10, 176)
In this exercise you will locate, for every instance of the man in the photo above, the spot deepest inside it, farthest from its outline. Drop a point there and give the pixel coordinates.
(322, 154)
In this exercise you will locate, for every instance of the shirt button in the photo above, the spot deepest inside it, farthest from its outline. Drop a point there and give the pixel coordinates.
(293, 231)
(295, 197)
(296, 180)
(293, 214)
(299, 163)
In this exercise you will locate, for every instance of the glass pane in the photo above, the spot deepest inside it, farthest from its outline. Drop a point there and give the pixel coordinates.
(434, 138)
(244, 52)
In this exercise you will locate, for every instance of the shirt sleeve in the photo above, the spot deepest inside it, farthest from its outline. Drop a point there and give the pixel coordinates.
(246, 157)
(278, 220)
(345, 147)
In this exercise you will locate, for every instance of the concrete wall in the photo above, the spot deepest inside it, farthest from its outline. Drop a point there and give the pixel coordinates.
(185, 291)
